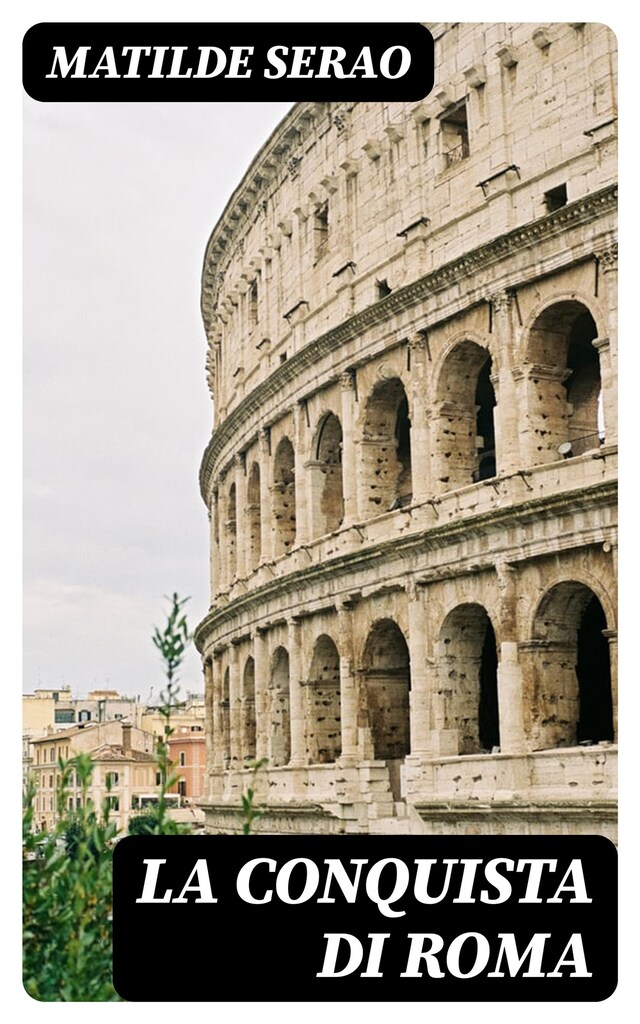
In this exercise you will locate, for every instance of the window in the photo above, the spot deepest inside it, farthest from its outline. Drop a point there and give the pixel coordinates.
(183, 759)
(84, 716)
(112, 779)
(113, 803)
(182, 788)
(52, 754)
(63, 716)
(555, 198)
(383, 289)
(454, 132)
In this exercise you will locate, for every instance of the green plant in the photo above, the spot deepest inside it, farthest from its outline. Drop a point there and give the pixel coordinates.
(67, 898)
(67, 872)
(250, 812)
(172, 643)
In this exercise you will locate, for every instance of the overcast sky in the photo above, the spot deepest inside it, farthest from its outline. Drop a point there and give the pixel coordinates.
(120, 200)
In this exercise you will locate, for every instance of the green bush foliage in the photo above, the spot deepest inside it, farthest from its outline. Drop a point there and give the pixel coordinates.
(67, 873)
(67, 901)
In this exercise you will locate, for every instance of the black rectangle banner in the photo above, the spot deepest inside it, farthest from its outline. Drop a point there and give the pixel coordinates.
(203, 62)
(403, 918)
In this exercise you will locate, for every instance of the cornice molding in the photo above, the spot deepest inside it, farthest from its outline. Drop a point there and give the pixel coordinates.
(406, 549)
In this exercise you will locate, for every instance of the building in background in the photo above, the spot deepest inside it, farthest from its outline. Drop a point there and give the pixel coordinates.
(411, 320)
(124, 771)
(120, 734)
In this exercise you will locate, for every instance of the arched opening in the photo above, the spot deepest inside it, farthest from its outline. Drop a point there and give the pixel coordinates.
(322, 713)
(254, 515)
(280, 719)
(225, 708)
(463, 434)
(466, 700)
(231, 529)
(284, 497)
(386, 449)
(249, 711)
(571, 667)
(386, 682)
(564, 384)
(327, 500)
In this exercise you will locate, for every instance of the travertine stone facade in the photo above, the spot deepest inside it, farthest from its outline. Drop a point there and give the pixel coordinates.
(411, 481)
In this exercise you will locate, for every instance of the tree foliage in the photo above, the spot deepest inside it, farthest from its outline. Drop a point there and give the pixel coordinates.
(67, 872)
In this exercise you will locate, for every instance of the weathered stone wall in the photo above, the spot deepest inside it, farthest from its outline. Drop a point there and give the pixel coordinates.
(411, 314)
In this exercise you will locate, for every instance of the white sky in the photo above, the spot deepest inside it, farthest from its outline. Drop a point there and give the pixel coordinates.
(119, 201)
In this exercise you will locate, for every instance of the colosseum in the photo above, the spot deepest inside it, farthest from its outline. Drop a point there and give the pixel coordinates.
(411, 481)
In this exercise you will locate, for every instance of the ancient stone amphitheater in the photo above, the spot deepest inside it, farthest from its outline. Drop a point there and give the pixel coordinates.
(411, 480)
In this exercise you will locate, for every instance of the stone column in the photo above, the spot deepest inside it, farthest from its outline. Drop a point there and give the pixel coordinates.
(349, 490)
(300, 435)
(261, 661)
(348, 692)
(510, 685)
(266, 504)
(420, 380)
(214, 551)
(208, 722)
(296, 705)
(242, 558)
(509, 458)
(611, 636)
(220, 755)
(420, 693)
(234, 708)
(541, 403)
(607, 344)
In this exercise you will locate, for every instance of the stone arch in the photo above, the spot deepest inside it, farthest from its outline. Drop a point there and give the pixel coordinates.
(322, 712)
(225, 709)
(568, 668)
(466, 700)
(284, 497)
(564, 386)
(279, 708)
(325, 469)
(249, 710)
(254, 516)
(386, 480)
(463, 430)
(384, 691)
(231, 530)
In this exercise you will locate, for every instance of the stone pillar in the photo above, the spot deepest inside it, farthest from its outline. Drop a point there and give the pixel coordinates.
(315, 481)
(220, 755)
(348, 398)
(242, 554)
(611, 635)
(235, 754)
(215, 560)
(608, 266)
(420, 693)
(296, 704)
(506, 426)
(266, 504)
(510, 685)
(208, 722)
(261, 662)
(348, 692)
(420, 380)
(541, 403)
(300, 434)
